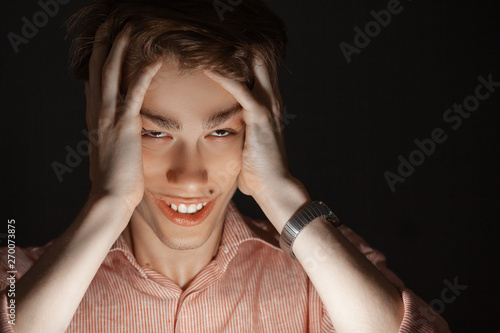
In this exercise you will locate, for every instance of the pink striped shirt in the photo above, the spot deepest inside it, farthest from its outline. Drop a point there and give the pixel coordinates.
(250, 286)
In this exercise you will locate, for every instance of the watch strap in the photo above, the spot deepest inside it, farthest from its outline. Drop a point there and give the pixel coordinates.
(302, 218)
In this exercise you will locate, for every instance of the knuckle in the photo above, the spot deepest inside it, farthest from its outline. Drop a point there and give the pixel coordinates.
(132, 99)
(241, 89)
(107, 70)
(147, 70)
(276, 106)
(262, 114)
(105, 106)
(136, 94)
(122, 40)
(104, 123)
(253, 103)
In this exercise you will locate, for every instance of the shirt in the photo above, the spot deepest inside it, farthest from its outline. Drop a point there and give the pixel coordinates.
(251, 285)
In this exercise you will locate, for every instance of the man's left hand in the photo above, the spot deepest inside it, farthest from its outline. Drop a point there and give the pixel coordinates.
(264, 174)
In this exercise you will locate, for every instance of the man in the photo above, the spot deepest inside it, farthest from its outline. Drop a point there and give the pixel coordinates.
(184, 109)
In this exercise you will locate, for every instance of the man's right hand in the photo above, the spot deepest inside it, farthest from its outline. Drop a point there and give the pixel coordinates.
(50, 292)
(114, 118)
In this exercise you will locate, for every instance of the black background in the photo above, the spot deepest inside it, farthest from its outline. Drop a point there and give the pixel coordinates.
(351, 122)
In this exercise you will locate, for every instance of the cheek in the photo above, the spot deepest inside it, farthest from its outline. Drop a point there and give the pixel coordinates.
(154, 164)
(224, 164)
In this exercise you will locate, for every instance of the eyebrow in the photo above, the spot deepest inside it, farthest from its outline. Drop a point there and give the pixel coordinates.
(160, 120)
(209, 123)
(221, 117)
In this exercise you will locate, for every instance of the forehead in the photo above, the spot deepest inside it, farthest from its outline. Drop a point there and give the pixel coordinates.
(180, 93)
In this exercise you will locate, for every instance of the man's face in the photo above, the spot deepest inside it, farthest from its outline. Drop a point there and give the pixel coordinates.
(192, 145)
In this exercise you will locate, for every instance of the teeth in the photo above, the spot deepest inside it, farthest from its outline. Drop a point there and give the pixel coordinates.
(191, 208)
(188, 209)
(183, 208)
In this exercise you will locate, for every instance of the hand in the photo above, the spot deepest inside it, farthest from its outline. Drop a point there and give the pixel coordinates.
(116, 156)
(263, 157)
(264, 174)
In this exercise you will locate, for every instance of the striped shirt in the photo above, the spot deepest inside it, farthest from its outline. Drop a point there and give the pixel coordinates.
(250, 286)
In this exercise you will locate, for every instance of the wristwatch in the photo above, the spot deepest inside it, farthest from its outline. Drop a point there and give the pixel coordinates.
(302, 218)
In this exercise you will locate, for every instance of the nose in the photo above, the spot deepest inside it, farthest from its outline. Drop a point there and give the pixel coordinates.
(187, 169)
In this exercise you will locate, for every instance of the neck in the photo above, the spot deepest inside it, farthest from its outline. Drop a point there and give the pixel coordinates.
(180, 265)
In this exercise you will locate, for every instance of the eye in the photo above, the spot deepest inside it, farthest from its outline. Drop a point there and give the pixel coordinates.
(221, 133)
(153, 134)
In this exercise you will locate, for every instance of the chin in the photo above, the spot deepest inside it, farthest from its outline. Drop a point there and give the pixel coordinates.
(182, 244)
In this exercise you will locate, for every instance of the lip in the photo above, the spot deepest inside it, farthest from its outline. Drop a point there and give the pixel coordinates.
(185, 220)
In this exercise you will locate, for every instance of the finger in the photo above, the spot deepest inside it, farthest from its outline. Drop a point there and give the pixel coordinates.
(263, 85)
(86, 90)
(266, 91)
(254, 111)
(97, 59)
(88, 116)
(112, 72)
(270, 91)
(138, 88)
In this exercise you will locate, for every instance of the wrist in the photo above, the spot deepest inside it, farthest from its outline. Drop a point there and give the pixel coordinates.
(122, 203)
(316, 211)
(282, 200)
(110, 211)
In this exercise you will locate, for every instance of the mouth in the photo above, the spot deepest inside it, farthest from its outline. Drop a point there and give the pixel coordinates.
(187, 208)
(186, 213)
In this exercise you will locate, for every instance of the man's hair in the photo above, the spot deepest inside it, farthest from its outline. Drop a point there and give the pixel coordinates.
(198, 34)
